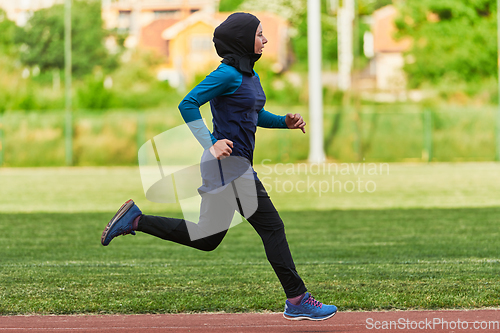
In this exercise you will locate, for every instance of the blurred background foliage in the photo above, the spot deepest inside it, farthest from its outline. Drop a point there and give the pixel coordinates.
(454, 41)
(453, 56)
(41, 40)
(32, 63)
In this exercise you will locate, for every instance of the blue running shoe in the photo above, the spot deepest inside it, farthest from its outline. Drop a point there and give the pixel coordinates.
(310, 309)
(121, 223)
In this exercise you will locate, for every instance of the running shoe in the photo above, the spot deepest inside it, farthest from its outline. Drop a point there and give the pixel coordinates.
(310, 309)
(121, 223)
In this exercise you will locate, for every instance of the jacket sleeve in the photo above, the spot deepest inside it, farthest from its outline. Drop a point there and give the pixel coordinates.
(270, 120)
(225, 80)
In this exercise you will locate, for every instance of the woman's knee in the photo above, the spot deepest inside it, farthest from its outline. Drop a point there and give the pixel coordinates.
(210, 243)
(208, 247)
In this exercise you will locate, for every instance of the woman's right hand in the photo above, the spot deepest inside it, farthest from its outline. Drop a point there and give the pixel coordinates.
(221, 149)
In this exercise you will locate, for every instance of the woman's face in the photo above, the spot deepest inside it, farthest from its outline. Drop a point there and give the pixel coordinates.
(260, 40)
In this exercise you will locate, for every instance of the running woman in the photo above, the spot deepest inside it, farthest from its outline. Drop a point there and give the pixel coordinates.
(237, 104)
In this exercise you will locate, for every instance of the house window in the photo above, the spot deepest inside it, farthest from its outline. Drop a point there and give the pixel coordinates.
(124, 20)
(160, 14)
(201, 43)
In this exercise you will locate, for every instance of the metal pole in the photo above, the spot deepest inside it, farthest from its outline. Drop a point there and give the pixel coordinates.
(1, 138)
(497, 150)
(345, 18)
(141, 129)
(427, 122)
(67, 80)
(355, 33)
(316, 145)
(357, 128)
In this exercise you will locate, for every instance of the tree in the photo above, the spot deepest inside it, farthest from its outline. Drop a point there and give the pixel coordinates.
(8, 29)
(229, 5)
(295, 11)
(42, 39)
(451, 38)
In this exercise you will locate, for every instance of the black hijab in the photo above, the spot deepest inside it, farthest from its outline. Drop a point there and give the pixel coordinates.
(234, 41)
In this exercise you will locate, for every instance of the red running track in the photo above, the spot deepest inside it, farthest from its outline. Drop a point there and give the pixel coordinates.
(485, 320)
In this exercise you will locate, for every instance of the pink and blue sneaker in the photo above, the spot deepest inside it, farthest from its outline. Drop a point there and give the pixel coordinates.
(122, 223)
(310, 309)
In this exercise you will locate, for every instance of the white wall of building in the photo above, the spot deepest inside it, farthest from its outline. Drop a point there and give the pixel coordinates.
(20, 11)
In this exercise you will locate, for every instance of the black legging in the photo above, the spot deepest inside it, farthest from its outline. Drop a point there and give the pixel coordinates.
(266, 221)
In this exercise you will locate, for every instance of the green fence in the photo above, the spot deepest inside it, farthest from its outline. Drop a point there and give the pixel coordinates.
(412, 133)
(371, 133)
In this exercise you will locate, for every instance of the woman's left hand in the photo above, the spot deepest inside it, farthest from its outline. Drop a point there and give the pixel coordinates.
(294, 121)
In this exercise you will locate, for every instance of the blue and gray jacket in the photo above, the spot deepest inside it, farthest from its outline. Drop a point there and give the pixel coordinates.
(237, 105)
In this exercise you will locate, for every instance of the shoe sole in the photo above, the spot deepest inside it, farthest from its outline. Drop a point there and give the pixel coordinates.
(309, 318)
(123, 209)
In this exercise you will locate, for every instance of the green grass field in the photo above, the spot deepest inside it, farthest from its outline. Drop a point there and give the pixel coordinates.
(427, 237)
